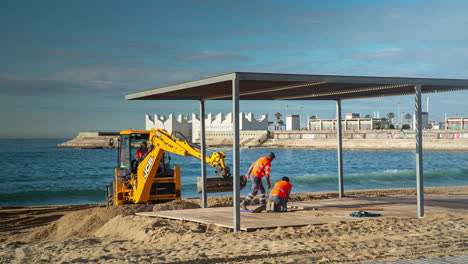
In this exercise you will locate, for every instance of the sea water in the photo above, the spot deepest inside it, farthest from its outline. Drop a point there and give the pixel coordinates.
(37, 172)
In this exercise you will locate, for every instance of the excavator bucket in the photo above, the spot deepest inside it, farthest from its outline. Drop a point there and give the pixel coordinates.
(219, 184)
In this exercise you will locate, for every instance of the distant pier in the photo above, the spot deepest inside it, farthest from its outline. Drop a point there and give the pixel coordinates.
(92, 140)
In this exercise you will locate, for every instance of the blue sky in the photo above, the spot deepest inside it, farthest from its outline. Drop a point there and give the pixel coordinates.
(66, 65)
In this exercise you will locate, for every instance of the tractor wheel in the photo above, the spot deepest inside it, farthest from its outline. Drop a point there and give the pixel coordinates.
(110, 194)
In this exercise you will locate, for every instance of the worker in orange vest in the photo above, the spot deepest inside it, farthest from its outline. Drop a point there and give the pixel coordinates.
(259, 169)
(279, 196)
(141, 152)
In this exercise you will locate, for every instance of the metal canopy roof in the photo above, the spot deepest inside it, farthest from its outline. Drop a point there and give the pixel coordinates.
(270, 86)
(273, 86)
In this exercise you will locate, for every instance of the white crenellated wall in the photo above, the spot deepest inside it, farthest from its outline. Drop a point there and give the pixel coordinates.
(213, 123)
(170, 123)
(222, 122)
(248, 122)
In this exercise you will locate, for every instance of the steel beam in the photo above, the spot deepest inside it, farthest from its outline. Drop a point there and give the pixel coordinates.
(235, 156)
(340, 148)
(252, 76)
(269, 90)
(203, 153)
(419, 152)
(344, 92)
(180, 87)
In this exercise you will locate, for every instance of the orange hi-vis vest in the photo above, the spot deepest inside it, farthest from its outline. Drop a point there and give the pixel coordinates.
(262, 167)
(140, 153)
(282, 188)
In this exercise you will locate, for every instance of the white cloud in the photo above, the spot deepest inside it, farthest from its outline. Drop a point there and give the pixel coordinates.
(63, 53)
(213, 56)
(379, 54)
(96, 79)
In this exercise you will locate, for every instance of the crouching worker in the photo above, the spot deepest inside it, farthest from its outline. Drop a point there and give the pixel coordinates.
(279, 196)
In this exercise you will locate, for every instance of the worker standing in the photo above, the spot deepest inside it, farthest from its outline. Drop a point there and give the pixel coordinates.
(279, 196)
(259, 169)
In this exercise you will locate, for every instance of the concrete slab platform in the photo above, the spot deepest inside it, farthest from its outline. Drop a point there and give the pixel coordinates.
(392, 206)
(328, 213)
(223, 216)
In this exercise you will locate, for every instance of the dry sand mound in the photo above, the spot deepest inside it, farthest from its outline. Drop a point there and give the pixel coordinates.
(82, 223)
(147, 229)
(177, 205)
(189, 203)
(128, 227)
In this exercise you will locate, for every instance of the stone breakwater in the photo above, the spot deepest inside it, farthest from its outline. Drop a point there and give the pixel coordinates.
(92, 140)
(98, 140)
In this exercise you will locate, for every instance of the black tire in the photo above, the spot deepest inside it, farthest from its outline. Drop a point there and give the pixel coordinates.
(110, 194)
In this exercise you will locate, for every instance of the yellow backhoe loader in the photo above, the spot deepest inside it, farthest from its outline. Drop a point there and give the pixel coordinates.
(150, 178)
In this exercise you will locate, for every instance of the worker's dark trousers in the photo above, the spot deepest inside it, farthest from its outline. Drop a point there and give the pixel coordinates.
(257, 188)
(280, 203)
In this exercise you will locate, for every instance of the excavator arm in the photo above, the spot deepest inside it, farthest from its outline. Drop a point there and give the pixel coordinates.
(161, 139)
(139, 187)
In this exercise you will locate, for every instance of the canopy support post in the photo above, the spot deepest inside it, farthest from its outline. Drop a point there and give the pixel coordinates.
(236, 152)
(203, 153)
(339, 149)
(419, 152)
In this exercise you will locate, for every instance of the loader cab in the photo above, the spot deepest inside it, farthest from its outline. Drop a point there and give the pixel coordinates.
(130, 185)
(130, 143)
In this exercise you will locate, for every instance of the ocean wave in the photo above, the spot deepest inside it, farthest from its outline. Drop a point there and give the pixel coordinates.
(457, 176)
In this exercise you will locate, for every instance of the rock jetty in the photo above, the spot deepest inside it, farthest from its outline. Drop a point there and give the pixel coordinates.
(92, 140)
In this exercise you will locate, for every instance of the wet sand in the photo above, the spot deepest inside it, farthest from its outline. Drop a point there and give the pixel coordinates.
(94, 233)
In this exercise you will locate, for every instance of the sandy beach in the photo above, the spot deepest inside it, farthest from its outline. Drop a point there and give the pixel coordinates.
(94, 233)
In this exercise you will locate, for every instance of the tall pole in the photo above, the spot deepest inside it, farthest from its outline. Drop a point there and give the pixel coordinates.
(340, 148)
(203, 153)
(427, 104)
(419, 152)
(236, 152)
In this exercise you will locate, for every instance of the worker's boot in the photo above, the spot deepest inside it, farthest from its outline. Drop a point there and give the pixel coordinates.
(259, 209)
(270, 207)
(243, 206)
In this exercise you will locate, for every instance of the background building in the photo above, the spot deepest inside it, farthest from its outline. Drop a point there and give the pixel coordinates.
(217, 126)
(458, 123)
(352, 115)
(223, 124)
(351, 122)
(424, 120)
(293, 122)
(170, 123)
